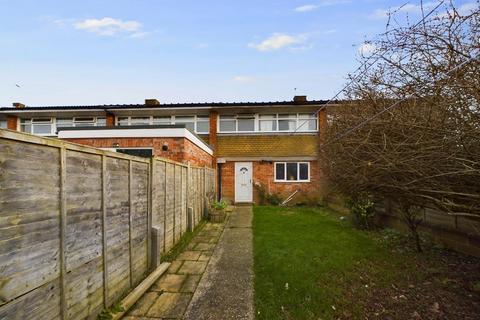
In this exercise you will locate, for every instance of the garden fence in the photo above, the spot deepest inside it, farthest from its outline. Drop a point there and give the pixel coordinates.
(76, 223)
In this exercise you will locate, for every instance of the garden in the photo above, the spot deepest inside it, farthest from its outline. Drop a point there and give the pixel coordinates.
(313, 263)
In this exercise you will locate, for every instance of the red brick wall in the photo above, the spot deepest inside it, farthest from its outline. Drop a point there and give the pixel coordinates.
(263, 173)
(12, 122)
(179, 149)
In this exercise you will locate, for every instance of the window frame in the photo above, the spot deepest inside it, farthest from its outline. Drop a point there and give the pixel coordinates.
(172, 121)
(274, 117)
(285, 180)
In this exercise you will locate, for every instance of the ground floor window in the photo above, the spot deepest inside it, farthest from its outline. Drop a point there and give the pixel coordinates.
(145, 153)
(292, 171)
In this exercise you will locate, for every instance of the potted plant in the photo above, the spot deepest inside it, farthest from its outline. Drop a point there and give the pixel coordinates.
(218, 211)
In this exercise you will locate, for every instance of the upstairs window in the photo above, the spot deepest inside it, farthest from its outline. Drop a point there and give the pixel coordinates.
(284, 122)
(162, 120)
(246, 123)
(292, 171)
(188, 121)
(203, 124)
(227, 123)
(140, 121)
(40, 126)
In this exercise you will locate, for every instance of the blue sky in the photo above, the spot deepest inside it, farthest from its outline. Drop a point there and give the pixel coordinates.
(118, 51)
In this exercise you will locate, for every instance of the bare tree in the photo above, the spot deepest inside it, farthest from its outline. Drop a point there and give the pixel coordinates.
(410, 131)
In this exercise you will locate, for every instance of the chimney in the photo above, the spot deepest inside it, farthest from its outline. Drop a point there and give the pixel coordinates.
(152, 102)
(300, 99)
(18, 105)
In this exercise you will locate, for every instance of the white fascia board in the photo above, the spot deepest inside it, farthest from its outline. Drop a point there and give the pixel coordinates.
(136, 133)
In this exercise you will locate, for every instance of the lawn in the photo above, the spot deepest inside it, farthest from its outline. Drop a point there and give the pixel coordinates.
(309, 264)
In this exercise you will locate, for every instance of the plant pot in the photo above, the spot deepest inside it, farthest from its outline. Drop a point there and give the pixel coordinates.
(217, 216)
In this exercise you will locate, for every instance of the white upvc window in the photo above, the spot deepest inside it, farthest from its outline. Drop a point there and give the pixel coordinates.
(80, 122)
(40, 126)
(292, 171)
(284, 122)
(203, 124)
(199, 124)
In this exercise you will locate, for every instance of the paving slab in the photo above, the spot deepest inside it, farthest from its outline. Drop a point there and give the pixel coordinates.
(175, 266)
(169, 283)
(143, 304)
(193, 267)
(189, 255)
(169, 305)
(225, 290)
(190, 283)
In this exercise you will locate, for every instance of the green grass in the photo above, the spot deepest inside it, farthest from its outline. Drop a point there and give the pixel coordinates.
(183, 243)
(321, 258)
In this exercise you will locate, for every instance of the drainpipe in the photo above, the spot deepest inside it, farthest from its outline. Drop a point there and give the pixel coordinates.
(219, 181)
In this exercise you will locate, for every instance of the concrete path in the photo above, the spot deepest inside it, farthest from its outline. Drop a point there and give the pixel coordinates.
(226, 288)
(170, 295)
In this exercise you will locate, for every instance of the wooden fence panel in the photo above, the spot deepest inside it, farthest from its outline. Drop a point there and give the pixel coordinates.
(29, 228)
(75, 223)
(83, 251)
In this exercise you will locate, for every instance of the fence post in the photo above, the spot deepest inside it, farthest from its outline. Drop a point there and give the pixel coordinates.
(104, 231)
(130, 222)
(157, 234)
(63, 228)
(190, 219)
(165, 207)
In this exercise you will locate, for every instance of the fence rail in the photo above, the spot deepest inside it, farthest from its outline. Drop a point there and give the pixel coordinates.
(76, 223)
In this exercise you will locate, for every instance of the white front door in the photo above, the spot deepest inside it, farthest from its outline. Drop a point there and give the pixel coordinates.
(243, 182)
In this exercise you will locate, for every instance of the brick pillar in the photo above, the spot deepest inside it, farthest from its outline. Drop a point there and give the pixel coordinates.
(212, 140)
(322, 138)
(12, 122)
(110, 120)
(212, 136)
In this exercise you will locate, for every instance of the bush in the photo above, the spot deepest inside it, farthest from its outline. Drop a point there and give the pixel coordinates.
(219, 205)
(362, 209)
(266, 197)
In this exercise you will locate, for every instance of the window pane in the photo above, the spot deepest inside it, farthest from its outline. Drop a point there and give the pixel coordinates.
(280, 171)
(83, 119)
(123, 121)
(227, 117)
(44, 120)
(26, 128)
(64, 122)
(190, 126)
(184, 119)
(292, 171)
(287, 125)
(101, 122)
(268, 125)
(303, 171)
(162, 120)
(139, 121)
(3, 124)
(306, 116)
(287, 116)
(203, 126)
(227, 125)
(307, 125)
(246, 124)
(42, 128)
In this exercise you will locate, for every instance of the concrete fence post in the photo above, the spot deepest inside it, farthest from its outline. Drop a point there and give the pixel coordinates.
(190, 219)
(157, 246)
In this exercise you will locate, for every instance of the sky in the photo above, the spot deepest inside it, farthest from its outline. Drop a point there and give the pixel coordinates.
(118, 51)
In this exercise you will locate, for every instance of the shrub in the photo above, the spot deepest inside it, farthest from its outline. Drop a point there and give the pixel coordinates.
(362, 208)
(219, 205)
(266, 197)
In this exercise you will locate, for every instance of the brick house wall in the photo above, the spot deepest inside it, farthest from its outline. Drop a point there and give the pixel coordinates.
(263, 173)
(179, 149)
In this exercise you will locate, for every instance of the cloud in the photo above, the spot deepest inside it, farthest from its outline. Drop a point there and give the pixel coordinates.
(325, 3)
(278, 41)
(406, 8)
(110, 27)
(306, 8)
(366, 49)
(243, 79)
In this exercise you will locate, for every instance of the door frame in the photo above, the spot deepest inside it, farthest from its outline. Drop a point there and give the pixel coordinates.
(237, 165)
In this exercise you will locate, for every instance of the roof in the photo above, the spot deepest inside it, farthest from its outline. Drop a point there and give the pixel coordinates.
(170, 105)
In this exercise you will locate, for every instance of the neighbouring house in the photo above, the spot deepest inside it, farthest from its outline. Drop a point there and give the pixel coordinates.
(255, 146)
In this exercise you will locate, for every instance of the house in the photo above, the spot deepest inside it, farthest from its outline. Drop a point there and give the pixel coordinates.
(256, 147)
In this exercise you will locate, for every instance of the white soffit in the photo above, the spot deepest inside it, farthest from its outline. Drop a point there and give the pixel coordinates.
(135, 133)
